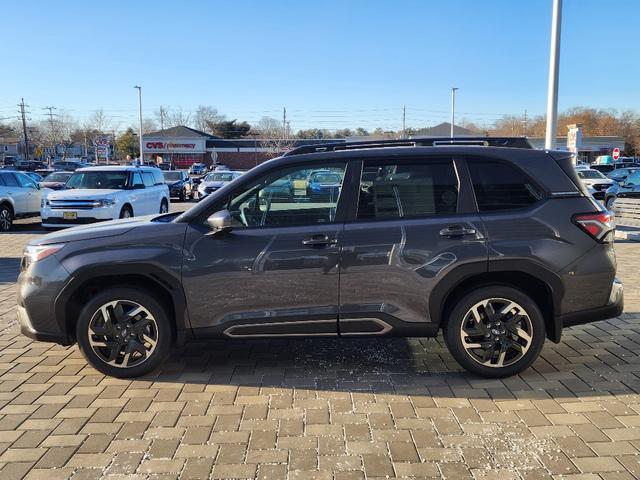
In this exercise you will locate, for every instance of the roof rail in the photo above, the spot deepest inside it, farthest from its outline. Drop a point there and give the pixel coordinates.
(511, 142)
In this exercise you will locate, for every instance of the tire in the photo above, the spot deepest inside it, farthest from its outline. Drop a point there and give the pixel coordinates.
(183, 195)
(126, 212)
(609, 203)
(98, 340)
(164, 207)
(505, 332)
(6, 218)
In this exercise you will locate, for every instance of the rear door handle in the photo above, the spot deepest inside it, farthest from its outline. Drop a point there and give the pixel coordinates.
(319, 240)
(456, 231)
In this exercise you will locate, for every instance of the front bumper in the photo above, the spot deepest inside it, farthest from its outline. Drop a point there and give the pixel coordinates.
(54, 218)
(613, 308)
(27, 329)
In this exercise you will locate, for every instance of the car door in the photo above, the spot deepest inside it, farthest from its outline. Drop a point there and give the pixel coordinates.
(33, 193)
(412, 224)
(139, 195)
(276, 272)
(20, 195)
(154, 193)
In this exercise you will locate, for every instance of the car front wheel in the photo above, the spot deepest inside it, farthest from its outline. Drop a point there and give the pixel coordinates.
(6, 218)
(124, 332)
(495, 331)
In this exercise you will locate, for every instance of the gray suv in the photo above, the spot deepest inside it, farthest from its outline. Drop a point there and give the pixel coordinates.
(494, 243)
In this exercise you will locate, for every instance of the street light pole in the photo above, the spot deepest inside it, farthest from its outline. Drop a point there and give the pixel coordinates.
(140, 121)
(453, 108)
(554, 60)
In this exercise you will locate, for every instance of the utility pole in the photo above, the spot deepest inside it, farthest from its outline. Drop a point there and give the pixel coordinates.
(554, 61)
(284, 123)
(52, 127)
(404, 122)
(524, 124)
(24, 128)
(140, 121)
(86, 147)
(453, 108)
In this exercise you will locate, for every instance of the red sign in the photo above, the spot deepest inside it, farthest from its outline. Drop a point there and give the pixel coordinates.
(616, 153)
(161, 145)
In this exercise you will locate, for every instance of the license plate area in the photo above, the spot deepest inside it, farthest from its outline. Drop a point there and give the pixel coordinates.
(70, 215)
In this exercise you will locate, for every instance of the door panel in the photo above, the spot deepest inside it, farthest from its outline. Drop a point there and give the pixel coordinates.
(389, 268)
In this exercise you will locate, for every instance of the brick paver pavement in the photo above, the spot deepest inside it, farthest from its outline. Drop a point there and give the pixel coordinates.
(323, 409)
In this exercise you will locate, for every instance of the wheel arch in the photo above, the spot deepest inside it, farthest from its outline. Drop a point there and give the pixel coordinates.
(125, 205)
(541, 284)
(164, 287)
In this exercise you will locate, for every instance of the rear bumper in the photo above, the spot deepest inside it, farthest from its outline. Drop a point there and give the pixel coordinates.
(612, 309)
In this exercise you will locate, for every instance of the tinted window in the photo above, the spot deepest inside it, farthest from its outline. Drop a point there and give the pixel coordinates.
(499, 186)
(2, 180)
(100, 179)
(25, 181)
(633, 179)
(137, 179)
(590, 174)
(173, 176)
(158, 178)
(148, 179)
(10, 180)
(408, 190)
(286, 199)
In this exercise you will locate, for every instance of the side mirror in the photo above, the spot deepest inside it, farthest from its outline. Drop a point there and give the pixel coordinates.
(221, 221)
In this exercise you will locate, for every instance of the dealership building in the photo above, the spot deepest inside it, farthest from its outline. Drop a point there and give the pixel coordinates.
(183, 146)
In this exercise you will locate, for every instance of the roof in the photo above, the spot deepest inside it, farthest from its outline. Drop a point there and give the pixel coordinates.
(121, 168)
(180, 131)
(443, 129)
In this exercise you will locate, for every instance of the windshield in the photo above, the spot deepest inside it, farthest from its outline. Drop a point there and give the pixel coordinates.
(219, 177)
(590, 174)
(99, 179)
(326, 178)
(57, 177)
(634, 179)
(172, 176)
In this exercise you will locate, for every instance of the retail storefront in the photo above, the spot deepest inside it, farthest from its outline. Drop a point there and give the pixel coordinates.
(180, 146)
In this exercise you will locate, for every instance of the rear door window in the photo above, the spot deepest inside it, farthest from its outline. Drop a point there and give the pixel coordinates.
(10, 180)
(500, 186)
(405, 190)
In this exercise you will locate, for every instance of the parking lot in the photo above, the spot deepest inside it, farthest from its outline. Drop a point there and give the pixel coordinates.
(322, 409)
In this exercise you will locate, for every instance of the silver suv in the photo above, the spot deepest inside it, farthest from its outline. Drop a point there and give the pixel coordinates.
(19, 198)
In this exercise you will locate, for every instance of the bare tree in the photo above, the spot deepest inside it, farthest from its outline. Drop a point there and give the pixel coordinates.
(148, 125)
(177, 117)
(274, 137)
(99, 122)
(205, 116)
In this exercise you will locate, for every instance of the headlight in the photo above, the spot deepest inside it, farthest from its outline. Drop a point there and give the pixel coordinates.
(104, 202)
(44, 202)
(34, 253)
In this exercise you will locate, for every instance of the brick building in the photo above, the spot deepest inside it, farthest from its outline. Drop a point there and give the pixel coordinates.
(183, 146)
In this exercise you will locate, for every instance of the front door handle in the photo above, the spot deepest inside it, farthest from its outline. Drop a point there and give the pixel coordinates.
(319, 240)
(456, 231)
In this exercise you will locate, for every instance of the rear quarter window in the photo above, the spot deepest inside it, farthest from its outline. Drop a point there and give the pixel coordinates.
(499, 186)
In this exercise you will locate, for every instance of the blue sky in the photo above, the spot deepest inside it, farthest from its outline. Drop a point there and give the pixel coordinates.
(333, 64)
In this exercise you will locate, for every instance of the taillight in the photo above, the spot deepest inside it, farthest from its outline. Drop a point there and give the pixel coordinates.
(597, 225)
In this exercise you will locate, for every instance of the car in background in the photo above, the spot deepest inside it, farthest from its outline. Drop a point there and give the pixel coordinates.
(596, 180)
(197, 169)
(30, 165)
(19, 198)
(97, 194)
(36, 177)
(179, 183)
(621, 174)
(630, 187)
(324, 183)
(68, 165)
(216, 180)
(9, 161)
(56, 180)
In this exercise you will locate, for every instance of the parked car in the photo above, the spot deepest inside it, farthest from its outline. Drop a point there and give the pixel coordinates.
(324, 183)
(69, 166)
(19, 198)
(97, 194)
(216, 180)
(9, 161)
(498, 247)
(179, 183)
(56, 180)
(30, 165)
(596, 180)
(621, 174)
(197, 169)
(630, 187)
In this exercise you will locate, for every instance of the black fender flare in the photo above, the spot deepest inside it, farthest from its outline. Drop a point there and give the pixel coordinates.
(155, 274)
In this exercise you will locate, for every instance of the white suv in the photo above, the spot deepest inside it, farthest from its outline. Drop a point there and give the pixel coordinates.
(19, 198)
(96, 194)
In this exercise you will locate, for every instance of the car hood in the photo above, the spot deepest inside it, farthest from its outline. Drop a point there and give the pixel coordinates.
(96, 230)
(596, 181)
(82, 194)
(213, 184)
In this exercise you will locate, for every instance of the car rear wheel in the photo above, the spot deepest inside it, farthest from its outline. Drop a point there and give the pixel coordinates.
(495, 331)
(609, 203)
(164, 207)
(124, 332)
(6, 218)
(126, 212)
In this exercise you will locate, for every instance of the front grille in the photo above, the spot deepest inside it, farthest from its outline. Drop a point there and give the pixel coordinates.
(77, 221)
(210, 189)
(72, 204)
